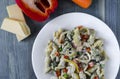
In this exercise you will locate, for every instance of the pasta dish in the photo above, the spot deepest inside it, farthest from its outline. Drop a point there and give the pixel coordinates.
(75, 54)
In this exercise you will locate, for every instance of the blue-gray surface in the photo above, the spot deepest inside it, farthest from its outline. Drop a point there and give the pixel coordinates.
(15, 58)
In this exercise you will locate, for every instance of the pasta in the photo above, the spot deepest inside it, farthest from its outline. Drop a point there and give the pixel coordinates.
(75, 54)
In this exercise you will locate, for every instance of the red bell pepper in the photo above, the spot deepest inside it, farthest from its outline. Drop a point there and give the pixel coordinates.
(57, 54)
(66, 57)
(38, 10)
(58, 73)
(65, 70)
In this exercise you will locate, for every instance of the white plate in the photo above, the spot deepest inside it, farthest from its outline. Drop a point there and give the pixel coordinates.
(69, 21)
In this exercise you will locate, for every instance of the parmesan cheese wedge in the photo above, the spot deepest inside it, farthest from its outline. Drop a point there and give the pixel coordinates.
(20, 38)
(15, 12)
(14, 26)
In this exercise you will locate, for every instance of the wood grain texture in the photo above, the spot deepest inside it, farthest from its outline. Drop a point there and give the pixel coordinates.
(15, 57)
(3, 55)
(112, 18)
(101, 5)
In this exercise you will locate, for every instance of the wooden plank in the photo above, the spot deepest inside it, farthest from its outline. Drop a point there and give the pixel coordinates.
(15, 59)
(101, 5)
(112, 18)
(3, 50)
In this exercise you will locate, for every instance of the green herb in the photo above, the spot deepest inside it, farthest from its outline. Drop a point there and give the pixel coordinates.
(79, 53)
(65, 76)
(102, 65)
(60, 49)
(54, 64)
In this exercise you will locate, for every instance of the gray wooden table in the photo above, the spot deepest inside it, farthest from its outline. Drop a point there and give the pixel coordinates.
(15, 58)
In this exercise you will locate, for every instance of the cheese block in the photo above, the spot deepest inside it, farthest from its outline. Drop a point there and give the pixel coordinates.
(20, 38)
(14, 26)
(15, 12)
